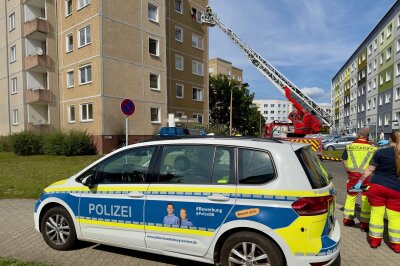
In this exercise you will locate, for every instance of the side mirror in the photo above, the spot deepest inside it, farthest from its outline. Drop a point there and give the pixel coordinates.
(330, 177)
(88, 181)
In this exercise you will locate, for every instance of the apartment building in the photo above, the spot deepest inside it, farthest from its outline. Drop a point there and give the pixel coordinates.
(68, 65)
(274, 109)
(366, 90)
(221, 66)
(187, 60)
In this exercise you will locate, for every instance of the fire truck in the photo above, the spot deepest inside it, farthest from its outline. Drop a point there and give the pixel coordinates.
(307, 118)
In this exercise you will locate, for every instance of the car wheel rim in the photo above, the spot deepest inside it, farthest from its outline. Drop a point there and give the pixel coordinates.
(248, 254)
(57, 229)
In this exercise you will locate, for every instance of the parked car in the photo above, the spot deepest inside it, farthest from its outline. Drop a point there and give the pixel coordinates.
(330, 138)
(339, 143)
(229, 201)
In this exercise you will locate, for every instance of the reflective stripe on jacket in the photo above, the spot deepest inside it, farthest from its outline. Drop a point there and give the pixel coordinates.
(359, 155)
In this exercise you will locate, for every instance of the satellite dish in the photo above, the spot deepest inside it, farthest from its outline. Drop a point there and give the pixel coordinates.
(39, 51)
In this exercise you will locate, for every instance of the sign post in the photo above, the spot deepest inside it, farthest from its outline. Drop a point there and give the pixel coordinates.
(128, 108)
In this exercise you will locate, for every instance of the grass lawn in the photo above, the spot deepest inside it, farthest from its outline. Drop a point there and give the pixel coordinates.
(26, 176)
(335, 153)
(13, 262)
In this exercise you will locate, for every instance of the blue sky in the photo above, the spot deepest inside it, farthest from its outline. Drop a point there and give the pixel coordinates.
(306, 40)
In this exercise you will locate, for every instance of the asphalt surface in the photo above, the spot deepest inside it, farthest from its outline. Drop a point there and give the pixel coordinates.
(18, 239)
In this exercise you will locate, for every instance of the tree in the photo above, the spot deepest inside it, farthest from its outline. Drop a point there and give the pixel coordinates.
(246, 119)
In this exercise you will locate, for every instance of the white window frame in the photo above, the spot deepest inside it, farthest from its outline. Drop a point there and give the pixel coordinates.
(84, 4)
(69, 107)
(15, 117)
(387, 119)
(13, 54)
(176, 90)
(388, 75)
(182, 59)
(388, 53)
(67, 50)
(398, 45)
(197, 94)
(181, 6)
(148, 13)
(374, 103)
(397, 93)
(14, 86)
(84, 29)
(181, 29)
(387, 98)
(11, 22)
(196, 116)
(87, 112)
(380, 100)
(80, 77)
(73, 79)
(66, 8)
(157, 47)
(158, 81)
(197, 68)
(197, 41)
(389, 30)
(380, 121)
(158, 115)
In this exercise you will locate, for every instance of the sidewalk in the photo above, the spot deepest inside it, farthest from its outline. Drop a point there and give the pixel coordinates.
(18, 239)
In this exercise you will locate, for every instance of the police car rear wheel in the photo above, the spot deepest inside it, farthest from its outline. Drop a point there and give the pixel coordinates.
(248, 248)
(58, 229)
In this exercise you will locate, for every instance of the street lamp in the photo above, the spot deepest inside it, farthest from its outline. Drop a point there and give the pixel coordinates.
(230, 106)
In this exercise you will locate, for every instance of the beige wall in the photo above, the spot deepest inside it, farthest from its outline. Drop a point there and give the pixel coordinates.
(220, 66)
(4, 91)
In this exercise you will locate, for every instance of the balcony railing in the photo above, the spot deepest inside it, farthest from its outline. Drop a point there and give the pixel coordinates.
(42, 62)
(36, 25)
(38, 95)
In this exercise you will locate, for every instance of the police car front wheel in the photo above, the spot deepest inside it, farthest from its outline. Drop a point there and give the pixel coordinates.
(248, 248)
(58, 229)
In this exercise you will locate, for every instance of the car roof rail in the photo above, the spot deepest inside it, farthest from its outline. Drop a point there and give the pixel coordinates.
(161, 138)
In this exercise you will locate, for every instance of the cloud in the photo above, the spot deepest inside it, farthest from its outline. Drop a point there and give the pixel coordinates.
(314, 92)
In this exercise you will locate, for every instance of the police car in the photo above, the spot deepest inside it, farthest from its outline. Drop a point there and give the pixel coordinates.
(228, 201)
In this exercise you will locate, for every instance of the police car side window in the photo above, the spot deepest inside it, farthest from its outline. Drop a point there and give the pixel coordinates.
(186, 164)
(255, 167)
(224, 166)
(129, 166)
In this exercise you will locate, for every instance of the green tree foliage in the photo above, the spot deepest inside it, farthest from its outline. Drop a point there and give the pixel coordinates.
(246, 119)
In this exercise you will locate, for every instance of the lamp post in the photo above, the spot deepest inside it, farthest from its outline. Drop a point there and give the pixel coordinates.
(230, 106)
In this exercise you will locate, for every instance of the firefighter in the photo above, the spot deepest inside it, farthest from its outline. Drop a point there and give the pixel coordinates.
(356, 158)
(384, 193)
(209, 11)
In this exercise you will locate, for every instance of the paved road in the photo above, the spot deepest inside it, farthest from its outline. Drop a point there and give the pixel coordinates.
(18, 239)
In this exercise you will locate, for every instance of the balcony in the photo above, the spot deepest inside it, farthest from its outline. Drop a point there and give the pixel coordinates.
(36, 28)
(38, 96)
(39, 63)
(39, 128)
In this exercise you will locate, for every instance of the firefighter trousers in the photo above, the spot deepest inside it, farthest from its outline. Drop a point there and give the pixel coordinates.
(350, 205)
(384, 199)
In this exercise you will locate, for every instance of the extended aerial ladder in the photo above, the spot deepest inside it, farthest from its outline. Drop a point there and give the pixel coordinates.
(309, 118)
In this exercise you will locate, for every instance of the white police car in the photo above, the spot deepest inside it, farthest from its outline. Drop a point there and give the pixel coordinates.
(229, 201)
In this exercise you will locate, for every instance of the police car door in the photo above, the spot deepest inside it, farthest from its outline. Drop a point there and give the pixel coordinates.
(194, 191)
(112, 211)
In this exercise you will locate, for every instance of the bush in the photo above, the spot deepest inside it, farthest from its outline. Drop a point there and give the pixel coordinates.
(26, 143)
(53, 143)
(78, 143)
(5, 143)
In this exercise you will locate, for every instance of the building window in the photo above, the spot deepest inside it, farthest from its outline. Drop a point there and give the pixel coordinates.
(382, 36)
(197, 68)
(13, 54)
(369, 105)
(397, 93)
(197, 94)
(15, 118)
(154, 47)
(397, 45)
(155, 115)
(154, 81)
(369, 86)
(83, 3)
(86, 112)
(71, 114)
(179, 62)
(369, 51)
(13, 85)
(179, 114)
(69, 42)
(389, 30)
(178, 34)
(388, 53)
(196, 14)
(380, 79)
(380, 99)
(197, 41)
(70, 79)
(380, 121)
(68, 8)
(179, 6)
(374, 103)
(387, 119)
(85, 74)
(153, 13)
(266, 112)
(374, 63)
(397, 69)
(84, 36)
(265, 105)
(381, 59)
(387, 98)
(179, 91)
(199, 118)
(369, 68)
(11, 21)
(388, 75)
(375, 44)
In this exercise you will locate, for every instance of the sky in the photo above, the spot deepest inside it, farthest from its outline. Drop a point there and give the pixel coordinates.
(308, 41)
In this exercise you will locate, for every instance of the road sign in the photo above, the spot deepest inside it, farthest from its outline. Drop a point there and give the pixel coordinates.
(128, 107)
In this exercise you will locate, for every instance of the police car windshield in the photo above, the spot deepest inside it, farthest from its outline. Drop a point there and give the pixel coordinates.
(316, 172)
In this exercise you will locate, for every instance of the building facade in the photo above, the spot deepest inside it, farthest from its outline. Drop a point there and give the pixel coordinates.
(366, 90)
(274, 109)
(68, 65)
(221, 66)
